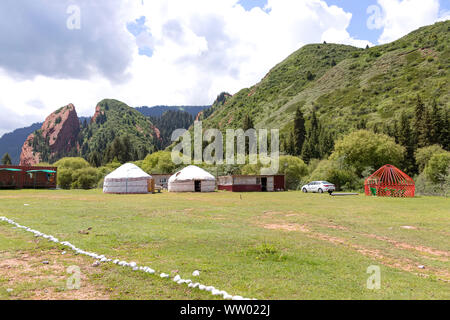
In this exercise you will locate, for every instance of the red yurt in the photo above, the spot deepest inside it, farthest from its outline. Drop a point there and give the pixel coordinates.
(389, 181)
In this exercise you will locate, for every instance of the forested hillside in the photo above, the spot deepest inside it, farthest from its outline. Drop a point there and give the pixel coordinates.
(348, 88)
(335, 89)
(158, 111)
(117, 131)
(169, 121)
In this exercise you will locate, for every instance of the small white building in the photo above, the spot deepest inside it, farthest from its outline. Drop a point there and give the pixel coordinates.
(161, 180)
(192, 179)
(127, 179)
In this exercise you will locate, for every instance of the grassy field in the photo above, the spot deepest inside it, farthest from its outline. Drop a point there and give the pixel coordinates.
(259, 245)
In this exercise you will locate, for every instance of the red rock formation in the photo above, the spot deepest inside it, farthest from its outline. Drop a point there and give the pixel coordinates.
(199, 115)
(156, 133)
(28, 157)
(60, 129)
(98, 112)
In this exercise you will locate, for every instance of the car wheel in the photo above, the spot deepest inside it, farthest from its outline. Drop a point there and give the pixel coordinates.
(320, 191)
(304, 190)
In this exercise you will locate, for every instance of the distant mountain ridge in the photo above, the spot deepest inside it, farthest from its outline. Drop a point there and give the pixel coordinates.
(13, 142)
(158, 111)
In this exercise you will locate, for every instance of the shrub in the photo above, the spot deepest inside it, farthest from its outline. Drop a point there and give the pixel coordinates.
(362, 149)
(426, 187)
(159, 162)
(294, 170)
(438, 167)
(423, 155)
(344, 178)
(64, 179)
(72, 163)
(71, 174)
(86, 178)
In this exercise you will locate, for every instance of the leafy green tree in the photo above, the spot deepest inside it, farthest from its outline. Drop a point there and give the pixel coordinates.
(159, 163)
(64, 179)
(294, 170)
(299, 133)
(438, 168)
(362, 149)
(71, 163)
(344, 178)
(6, 160)
(66, 167)
(86, 178)
(423, 155)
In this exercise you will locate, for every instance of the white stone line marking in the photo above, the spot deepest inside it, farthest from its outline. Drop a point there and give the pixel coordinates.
(133, 265)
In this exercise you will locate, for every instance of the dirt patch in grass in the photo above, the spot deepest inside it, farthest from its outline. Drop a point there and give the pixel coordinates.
(398, 263)
(397, 244)
(404, 264)
(42, 275)
(287, 227)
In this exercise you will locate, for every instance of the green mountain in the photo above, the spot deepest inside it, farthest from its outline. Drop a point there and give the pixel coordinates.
(114, 120)
(347, 87)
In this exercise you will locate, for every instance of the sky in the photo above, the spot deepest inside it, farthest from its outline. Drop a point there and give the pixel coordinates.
(172, 52)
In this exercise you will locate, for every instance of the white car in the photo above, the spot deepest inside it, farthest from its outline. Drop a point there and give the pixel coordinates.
(319, 186)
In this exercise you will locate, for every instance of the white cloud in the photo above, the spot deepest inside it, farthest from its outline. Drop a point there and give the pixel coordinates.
(199, 48)
(399, 17)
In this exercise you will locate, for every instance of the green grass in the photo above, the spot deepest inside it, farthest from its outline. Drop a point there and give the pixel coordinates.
(241, 245)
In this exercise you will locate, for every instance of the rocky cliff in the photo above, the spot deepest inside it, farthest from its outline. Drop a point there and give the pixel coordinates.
(57, 136)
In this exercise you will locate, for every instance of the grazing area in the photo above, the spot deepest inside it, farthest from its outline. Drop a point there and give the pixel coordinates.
(286, 245)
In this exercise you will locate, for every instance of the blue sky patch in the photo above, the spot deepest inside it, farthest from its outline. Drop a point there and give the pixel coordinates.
(136, 28)
(250, 4)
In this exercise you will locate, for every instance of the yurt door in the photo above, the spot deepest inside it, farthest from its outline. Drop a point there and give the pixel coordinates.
(198, 186)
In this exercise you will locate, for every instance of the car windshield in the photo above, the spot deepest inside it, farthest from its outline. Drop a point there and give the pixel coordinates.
(325, 182)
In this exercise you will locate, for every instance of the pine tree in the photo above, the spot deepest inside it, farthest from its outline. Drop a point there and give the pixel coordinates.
(299, 133)
(311, 145)
(435, 124)
(444, 138)
(420, 124)
(326, 142)
(247, 123)
(406, 139)
(6, 160)
(95, 159)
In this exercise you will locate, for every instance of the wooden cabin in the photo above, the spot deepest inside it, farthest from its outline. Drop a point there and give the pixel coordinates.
(27, 177)
(252, 183)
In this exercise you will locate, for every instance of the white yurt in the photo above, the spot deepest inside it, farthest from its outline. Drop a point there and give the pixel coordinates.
(192, 179)
(128, 178)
